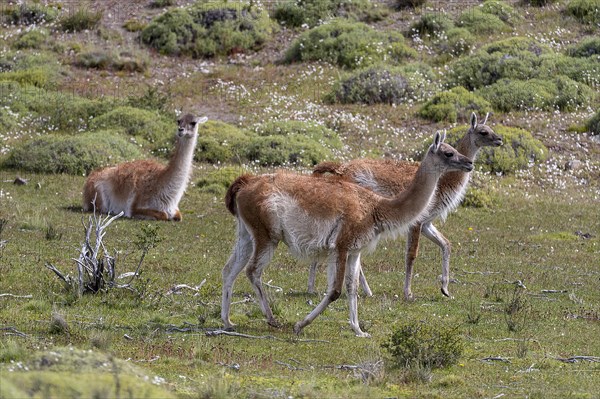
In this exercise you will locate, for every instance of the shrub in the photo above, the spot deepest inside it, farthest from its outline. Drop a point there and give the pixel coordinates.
(480, 22)
(71, 154)
(453, 105)
(162, 3)
(147, 126)
(504, 11)
(310, 130)
(455, 42)
(220, 142)
(371, 86)
(593, 125)
(539, 3)
(584, 70)
(112, 60)
(479, 198)
(30, 13)
(134, 25)
(208, 29)
(586, 11)
(515, 58)
(401, 4)
(424, 345)
(588, 47)
(535, 94)
(41, 70)
(432, 24)
(520, 149)
(313, 12)
(348, 44)
(9, 122)
(80, 20)
(217, 181)
(33, 39)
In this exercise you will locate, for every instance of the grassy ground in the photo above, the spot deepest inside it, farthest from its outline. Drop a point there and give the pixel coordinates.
(542, 230)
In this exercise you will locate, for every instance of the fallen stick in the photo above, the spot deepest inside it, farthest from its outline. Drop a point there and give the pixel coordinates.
(13, 331)
(215, 333)
(575, 359)
(495, 359)
(554, 291)
(16, 296)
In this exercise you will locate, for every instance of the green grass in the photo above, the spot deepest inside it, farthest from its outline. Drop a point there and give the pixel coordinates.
(519, 240)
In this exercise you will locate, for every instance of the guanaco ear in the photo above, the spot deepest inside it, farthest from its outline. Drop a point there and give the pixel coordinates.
(486, 118)
(474, 120)
(200, 120)
(438, 139)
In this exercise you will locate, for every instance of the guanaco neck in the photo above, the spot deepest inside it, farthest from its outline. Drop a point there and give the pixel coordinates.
(411, 203)
(453, 180)
(178, 170)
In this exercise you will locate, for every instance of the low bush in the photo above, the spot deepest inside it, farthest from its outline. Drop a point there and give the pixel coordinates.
(134, 25)
(40, 70)
(310, 130)
(162, 3)
(314, 12)
(112, 60)
(372, 86)
(208, 29)
(220, 142)
(454, 105)
(33, 39)
(589, 47)
(349, 45)
(29, 13)
(402, 4)
(539, 3)
(480, 198)
(560, 93)
(217, 181)
(519, 151)
(80, 20)
(502, 10)
(9, 122)
(432, 24)
(593, 125)
(455, 42)
(75, 155)
(422, 344)
(586, 11)
(481, 23)
(146, 126)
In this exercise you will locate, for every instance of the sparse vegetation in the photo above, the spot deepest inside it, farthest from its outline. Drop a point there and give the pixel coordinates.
(80, 20)
(314, 12)
(480, 22)
(593, 125)
(588, 47)
(586, 11)
(432, 24)
(29, 13)
(111, 60)
(349, 45)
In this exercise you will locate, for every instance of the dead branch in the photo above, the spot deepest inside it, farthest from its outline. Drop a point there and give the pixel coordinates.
(554, 291)
(214, 333)
(495, 359)
(177, 289)
(68, 280)
(13, 331)
(289, 366)
(276, 288)
(16, 296)
(575, 359)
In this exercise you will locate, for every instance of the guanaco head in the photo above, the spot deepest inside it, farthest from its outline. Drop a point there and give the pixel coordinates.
(187, 125)
(442, 157)
(482, 135)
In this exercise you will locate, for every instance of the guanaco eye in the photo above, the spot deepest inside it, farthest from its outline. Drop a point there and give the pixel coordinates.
(192, 124)
(449, 154)
(483, 133)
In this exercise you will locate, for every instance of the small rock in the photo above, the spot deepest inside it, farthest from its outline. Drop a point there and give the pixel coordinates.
(573, 164)
(19, 181)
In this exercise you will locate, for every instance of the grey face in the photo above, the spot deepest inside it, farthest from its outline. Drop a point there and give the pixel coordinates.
(484, 136)
(187, 125)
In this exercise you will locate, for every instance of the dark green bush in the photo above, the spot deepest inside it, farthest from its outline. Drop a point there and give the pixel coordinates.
(134, 25)
(40, 70)
(539, 3)
(313, 131)
(80, 20)
(9, 122)
(588, 47)
(481, 23)
(371, 86)
(112, 60)
(29, 13)
(34, 39)
(480, 198)
(208, 29)
(313, 12)
(402, 4)
(348, 44)
(221, 142)
(75, 155)
(424, 344)
(514, 58)
(584, 70)
(560, 93)
(593, 125)
(286, 151)
(162, 3)
(456, 104)
(519, 151)
(586, 11)
(146, 126)
(432, 24)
